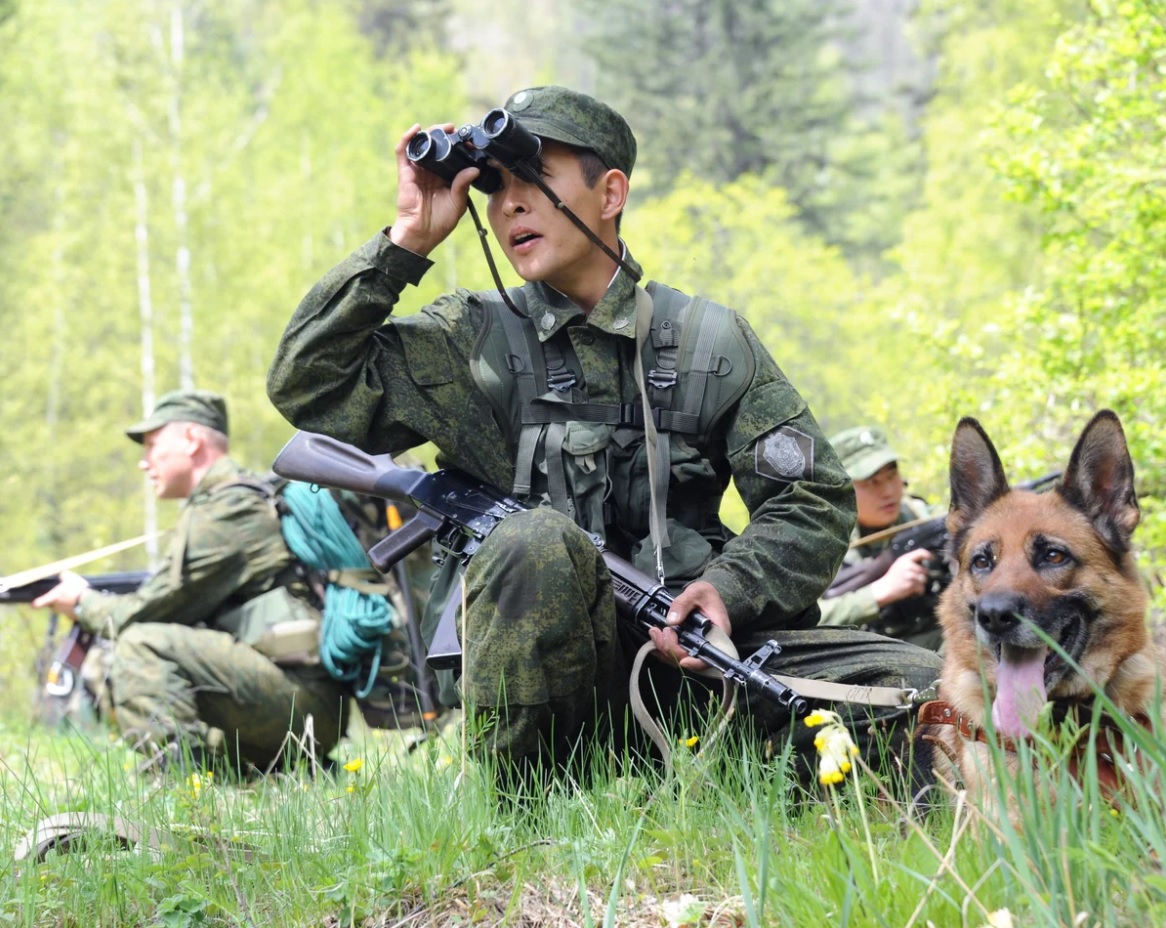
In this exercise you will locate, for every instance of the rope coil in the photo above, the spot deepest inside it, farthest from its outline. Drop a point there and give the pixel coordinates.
(355, 623)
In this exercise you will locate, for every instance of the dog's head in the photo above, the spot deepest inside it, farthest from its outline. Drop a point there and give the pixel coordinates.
(1058, 561)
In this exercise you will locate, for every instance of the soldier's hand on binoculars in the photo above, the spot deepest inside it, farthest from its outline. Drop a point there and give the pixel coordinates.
(427, 209)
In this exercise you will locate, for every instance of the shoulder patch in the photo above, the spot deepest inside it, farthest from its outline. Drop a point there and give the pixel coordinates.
(785, 454)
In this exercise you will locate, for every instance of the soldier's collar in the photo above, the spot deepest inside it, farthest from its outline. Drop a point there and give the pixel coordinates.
(224, 470)
(615, 313)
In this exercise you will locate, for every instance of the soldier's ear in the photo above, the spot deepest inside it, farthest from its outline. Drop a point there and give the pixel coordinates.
(615, 193)
(192, 437)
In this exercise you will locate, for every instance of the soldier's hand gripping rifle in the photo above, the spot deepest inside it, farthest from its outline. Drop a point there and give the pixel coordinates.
(458, 513)
(64, 670)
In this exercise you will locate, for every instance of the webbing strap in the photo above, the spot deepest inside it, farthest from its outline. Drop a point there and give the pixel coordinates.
(528, 389)
(627, 415)
(640, 709)
(363, 581)
(818, 690)
(702, 358)
(657, 447)
(556, 472)
(178, 552)
(891, 697)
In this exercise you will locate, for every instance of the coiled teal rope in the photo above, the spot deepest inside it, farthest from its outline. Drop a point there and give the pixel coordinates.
(355, 623)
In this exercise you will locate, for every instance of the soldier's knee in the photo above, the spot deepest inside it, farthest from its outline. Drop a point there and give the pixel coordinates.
(136, 644)
(536, 531)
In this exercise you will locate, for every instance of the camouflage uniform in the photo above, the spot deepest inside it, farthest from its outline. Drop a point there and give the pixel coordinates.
(858, 607)
(546, 659)
(180, 670)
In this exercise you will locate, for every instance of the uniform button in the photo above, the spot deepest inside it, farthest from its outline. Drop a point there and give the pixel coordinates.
(619, 324)
(547, 321)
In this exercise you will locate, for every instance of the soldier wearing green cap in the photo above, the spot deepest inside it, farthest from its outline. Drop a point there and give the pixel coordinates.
(879, 488)
(546, 400)
(192, 677)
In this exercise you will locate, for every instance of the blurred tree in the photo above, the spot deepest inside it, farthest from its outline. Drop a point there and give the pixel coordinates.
(396, 26)
(969, 249)
(762, 87)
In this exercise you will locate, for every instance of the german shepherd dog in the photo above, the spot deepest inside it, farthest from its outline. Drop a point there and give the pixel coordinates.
(1058, 561)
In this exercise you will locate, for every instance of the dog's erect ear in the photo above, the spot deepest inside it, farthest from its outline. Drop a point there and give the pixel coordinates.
(977, 476)
(1100, 480)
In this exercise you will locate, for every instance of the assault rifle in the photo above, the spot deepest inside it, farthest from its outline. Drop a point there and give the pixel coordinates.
(922, 534)
(64, 670)
(125, 581)
(458, 513)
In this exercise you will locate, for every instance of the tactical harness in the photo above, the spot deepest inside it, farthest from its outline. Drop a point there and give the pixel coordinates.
(697, 367)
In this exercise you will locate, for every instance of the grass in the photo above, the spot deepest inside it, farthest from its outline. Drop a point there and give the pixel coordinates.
(420, 838)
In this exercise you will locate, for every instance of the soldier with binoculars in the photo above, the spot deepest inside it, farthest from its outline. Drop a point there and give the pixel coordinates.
(611, 410)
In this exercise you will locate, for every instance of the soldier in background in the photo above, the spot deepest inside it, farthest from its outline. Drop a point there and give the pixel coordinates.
(200, 670)
(882, 503)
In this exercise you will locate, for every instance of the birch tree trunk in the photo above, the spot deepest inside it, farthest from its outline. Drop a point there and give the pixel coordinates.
(181, 234)
(146, 317)
(60, 335)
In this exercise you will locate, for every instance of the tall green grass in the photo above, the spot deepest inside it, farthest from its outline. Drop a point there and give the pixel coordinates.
(423, 838)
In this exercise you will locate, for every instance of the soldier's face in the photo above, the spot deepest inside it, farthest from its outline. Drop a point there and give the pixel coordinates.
(879, 497)
(167, 459)
(540, 242)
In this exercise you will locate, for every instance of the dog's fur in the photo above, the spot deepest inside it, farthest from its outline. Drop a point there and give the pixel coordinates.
(1059, 561)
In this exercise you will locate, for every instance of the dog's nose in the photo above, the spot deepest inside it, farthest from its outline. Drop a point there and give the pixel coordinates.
(998, 613)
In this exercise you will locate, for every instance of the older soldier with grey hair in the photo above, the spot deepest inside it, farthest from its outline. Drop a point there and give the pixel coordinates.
(542, 391)
(187, 678)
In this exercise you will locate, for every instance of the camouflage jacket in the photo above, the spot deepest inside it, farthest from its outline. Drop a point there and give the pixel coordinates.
(342, 370)
(858, 607)
(231, 549)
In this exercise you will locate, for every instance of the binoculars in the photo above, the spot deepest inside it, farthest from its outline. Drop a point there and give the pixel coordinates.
(499, 138)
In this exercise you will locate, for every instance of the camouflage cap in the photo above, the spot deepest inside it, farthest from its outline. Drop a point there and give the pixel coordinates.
(200, 406)
(574, 118)
(863, 451)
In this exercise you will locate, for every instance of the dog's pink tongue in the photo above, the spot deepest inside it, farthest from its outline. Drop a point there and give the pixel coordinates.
(1020, 690)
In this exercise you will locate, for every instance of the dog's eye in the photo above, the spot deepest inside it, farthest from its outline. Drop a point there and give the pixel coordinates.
(1056, 556)
(981, 562)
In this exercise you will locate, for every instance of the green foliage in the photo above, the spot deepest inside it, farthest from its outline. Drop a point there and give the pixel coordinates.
(1086, 151)
(740, 244)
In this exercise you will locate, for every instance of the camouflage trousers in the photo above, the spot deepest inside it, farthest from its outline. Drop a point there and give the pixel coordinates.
(205, 689)
(547, 664)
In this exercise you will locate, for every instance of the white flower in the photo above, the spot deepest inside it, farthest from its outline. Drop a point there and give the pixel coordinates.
(834, 744)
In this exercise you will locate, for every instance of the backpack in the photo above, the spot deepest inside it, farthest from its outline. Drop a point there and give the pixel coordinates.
(357, 615)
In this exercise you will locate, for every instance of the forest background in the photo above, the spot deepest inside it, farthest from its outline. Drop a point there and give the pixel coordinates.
(926, 210)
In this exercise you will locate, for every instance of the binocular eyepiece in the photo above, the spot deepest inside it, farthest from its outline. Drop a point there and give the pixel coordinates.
(499, 138)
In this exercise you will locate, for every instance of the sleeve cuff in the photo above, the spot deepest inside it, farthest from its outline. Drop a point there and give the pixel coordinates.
(733, 594)
(394, 261)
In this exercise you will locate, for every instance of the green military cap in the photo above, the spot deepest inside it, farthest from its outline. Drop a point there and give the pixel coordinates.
(201, 406)
(574, 118)
(863, 451)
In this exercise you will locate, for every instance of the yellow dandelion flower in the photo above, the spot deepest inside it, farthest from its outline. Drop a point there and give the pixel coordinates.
(354, 765)
(350, 789)
(690, 742)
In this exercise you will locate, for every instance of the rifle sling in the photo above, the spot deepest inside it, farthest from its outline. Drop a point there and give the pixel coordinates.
(818, 690)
